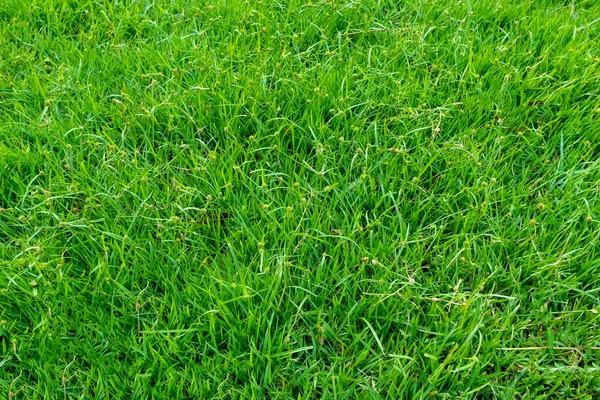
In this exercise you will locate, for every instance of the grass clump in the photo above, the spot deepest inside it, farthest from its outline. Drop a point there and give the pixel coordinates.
(328, 199)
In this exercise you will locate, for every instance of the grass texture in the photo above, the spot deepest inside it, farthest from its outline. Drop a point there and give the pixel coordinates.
(373, 199)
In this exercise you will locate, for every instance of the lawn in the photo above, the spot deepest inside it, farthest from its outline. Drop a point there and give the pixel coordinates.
(375, 199)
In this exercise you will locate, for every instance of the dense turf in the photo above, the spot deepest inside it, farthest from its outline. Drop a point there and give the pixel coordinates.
(338, 199)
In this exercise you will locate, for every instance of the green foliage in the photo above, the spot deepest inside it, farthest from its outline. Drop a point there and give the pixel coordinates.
(330, 199)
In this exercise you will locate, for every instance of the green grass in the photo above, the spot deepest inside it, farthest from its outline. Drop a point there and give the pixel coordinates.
(332, 199)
